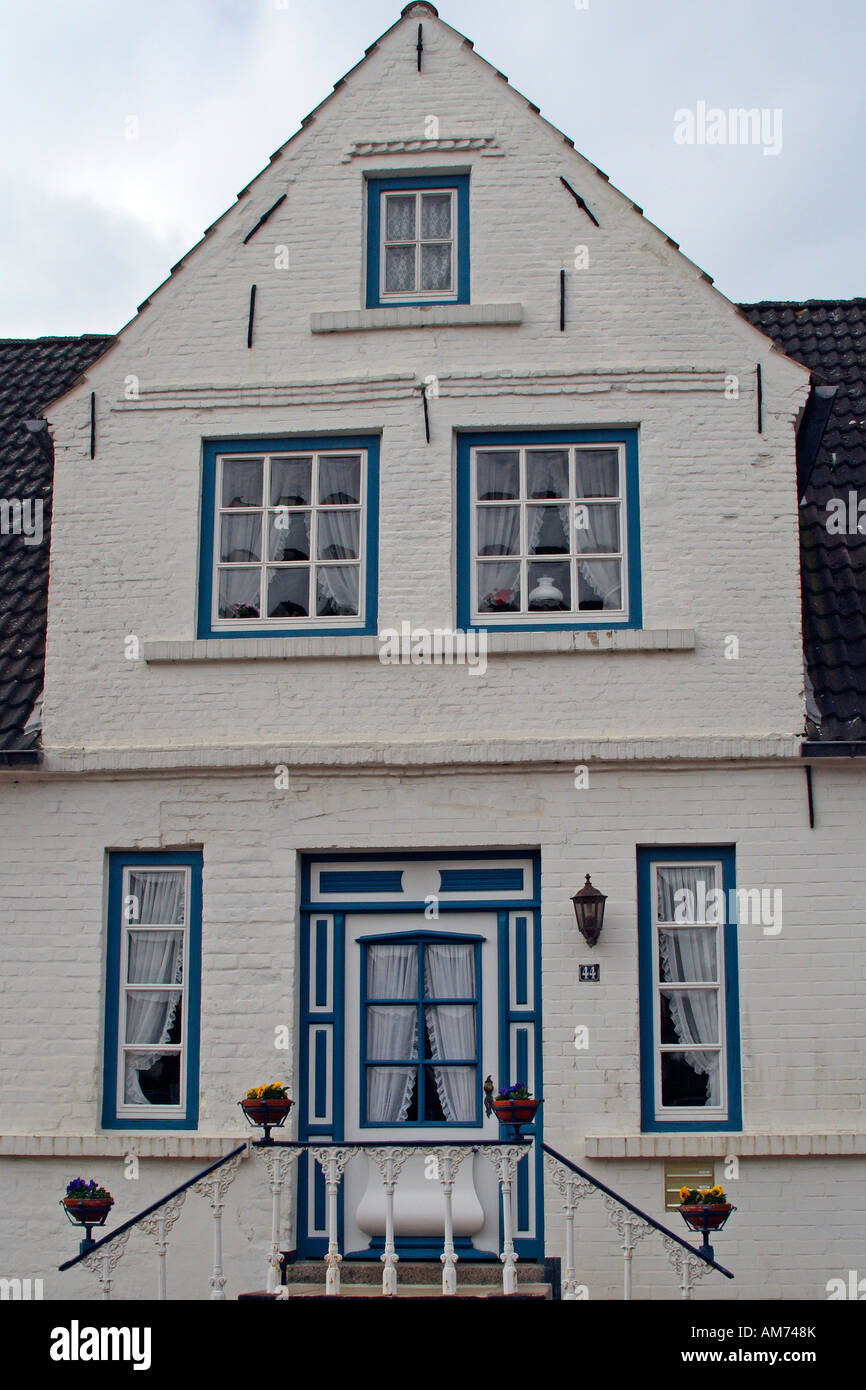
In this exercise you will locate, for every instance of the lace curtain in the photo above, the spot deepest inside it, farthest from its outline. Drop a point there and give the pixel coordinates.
(392, 973)
(449, 973)
(688, 955)
(154, 958)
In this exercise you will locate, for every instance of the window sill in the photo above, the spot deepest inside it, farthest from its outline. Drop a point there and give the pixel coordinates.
(534, 643)
(117, 1145)
(719, 1145)
(416, 316)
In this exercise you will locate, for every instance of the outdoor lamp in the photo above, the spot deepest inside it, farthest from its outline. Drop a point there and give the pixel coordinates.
(589, 911)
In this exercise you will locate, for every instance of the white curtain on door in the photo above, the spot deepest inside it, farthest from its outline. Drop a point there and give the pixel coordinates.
(154, 958)
(449, 973)
(392, 973)
(689, 956)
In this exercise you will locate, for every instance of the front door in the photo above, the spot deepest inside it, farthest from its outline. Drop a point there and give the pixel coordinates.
(418, 980)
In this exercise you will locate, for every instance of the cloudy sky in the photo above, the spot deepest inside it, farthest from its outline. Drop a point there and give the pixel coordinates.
(92, 220)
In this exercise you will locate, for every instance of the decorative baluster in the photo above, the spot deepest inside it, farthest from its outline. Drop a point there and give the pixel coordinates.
(278, 1163)
(448, 1160)
(689, 1267)
(504, 1158)
(214, 1188)
(630, 1229)
(332, 1162)
(572, 1189)
(159, 1226)
(103, 1261)
(389, 1161)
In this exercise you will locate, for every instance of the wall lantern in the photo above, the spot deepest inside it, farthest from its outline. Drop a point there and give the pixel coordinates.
(589, 911)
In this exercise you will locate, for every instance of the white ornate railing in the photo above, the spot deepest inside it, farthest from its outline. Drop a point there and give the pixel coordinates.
(279, 1157)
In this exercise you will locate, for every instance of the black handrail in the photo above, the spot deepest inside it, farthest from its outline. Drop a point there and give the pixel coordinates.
(313, 1143)
(154, 1206)
(581, 1172)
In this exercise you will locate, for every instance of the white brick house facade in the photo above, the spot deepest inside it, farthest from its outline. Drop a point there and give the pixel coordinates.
(172, 743)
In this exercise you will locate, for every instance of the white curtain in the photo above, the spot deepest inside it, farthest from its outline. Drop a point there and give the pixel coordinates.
(688, 955)
(154, 958)
(449, 973)
(241, 537)
(392, 973)
(537, 518)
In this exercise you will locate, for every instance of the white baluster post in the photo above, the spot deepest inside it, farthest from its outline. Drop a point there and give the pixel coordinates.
(504, 1158)
(332, 1162)
(689, 1267)
(278, 1163)
(449, 1160)
(630, 1229)
(572, 1189)
(159, 1225)
(214, 1187)
(103, 1261)
(389, 1161)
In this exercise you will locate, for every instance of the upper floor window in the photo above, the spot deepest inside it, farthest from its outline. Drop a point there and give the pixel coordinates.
(549, 530)
(288, 537)
(688, 991)
(418, 240)
(153, 962)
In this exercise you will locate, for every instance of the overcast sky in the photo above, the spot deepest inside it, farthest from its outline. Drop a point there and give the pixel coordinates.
(92, 220)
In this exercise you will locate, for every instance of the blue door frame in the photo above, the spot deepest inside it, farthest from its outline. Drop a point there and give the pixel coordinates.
(512, 897)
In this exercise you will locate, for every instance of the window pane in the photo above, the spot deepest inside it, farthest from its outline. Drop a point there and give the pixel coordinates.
(289, 536)
(155, 958)
(339, 480)
(456, 1090)
(499, 587)
(289, 593)
(399, 269)
(498, 530)
(691, 1078)
(338, 535)
(435, 266)
(450, 1031)
(687, 954)
(547, 472)
(435, 215)
(689, 1016)
(153, 1016)
(547, 530)
(242, 483)
(497, 475)
(549, 587)
(151, 1078)
(599, 584)
(449, 970)
(392, 1033)
(596, 527)
(391, 1094)
(400, 217)
(337, 590)
(597, 473)
(241, 537)
(290, 482)
(392, 971)
(155, 897)
(239, 593)
(682, 892)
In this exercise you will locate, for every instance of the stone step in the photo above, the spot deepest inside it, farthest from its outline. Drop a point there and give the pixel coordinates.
(424, 1291)
(470, 1272)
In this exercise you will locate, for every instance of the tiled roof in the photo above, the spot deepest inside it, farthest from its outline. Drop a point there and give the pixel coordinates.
(829, 336)
(33, 371)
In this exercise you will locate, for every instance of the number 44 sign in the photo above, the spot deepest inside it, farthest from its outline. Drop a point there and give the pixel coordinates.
(589, 974)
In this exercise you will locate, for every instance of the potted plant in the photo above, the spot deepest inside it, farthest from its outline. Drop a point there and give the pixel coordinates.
(86, 1203)
(515, 1106)
(267, 1105)
(704, 1208)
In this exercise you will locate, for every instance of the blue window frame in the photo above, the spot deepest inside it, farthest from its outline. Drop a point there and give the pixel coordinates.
(153, 1003)
(418, 240)
(421, 1030)
(289, 537)
(689, 997)
(548, 530)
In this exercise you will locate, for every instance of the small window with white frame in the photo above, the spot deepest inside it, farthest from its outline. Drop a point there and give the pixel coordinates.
(548, 534)
(418, 244)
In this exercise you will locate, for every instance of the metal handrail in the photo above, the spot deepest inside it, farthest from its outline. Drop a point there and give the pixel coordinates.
(154, 1206)
(602, 1187)
(313, 1143)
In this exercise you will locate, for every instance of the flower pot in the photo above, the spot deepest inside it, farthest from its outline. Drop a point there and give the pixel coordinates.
(717, 1214)
(267, 1112)
(88, 1211)
(515, 1112)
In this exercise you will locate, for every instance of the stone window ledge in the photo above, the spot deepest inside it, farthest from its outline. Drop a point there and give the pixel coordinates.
(416, 316)
(117, 1144)
(533, 643)
(744, 1145)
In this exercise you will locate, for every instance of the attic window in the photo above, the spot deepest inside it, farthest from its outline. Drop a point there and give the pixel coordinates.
(418, 240)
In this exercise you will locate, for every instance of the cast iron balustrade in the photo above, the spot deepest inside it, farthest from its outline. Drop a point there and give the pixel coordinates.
(278, 1156)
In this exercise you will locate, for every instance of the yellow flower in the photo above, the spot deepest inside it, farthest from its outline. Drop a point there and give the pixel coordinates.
(684, 1192)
